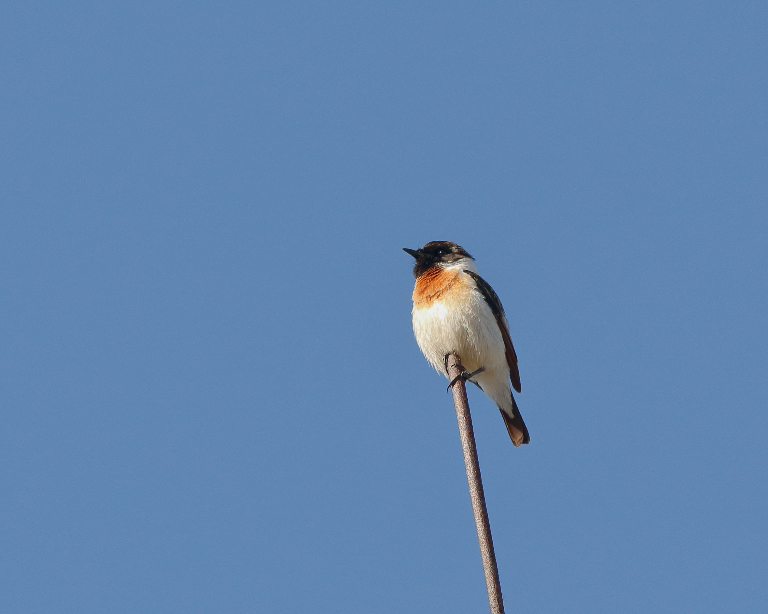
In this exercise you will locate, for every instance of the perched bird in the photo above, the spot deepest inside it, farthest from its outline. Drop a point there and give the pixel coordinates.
(455, 311)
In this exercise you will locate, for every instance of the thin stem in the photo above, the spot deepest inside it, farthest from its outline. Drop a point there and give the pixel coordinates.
(476, 494)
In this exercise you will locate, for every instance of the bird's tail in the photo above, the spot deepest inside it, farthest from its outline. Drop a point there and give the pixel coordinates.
(516, 428)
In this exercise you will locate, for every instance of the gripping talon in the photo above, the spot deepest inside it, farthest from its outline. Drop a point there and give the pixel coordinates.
(454, 380)
(466, 377)
(471, 375)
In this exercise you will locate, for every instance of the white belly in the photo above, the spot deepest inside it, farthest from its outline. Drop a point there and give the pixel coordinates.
(465, 326)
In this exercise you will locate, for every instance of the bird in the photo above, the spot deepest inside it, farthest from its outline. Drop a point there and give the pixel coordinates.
(455, 311)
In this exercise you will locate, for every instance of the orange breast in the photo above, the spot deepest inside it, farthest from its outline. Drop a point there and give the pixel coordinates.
(433, 284)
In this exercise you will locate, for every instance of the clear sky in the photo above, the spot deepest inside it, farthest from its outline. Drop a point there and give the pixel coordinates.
(211, 396)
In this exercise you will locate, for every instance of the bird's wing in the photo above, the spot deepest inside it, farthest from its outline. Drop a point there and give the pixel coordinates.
(498, 311)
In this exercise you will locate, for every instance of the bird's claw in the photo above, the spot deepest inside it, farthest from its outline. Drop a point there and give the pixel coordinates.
(466, 377)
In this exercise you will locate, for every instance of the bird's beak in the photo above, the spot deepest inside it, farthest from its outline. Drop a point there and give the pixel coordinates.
(413, 252)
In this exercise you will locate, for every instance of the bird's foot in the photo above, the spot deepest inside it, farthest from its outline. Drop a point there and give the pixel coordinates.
(466, 377)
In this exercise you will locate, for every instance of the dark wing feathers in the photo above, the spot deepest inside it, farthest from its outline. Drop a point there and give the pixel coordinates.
(498, 311)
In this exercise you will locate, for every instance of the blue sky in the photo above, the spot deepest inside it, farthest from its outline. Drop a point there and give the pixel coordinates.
(212, 398)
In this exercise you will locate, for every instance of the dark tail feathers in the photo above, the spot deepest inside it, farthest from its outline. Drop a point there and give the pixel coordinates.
(516, 428)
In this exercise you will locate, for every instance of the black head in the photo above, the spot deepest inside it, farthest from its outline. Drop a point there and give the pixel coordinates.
(436, 253)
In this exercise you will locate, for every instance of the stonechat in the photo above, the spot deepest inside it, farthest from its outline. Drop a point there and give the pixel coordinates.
(455, 311)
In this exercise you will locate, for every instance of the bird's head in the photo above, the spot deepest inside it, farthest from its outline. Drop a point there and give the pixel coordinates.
(437, 253)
